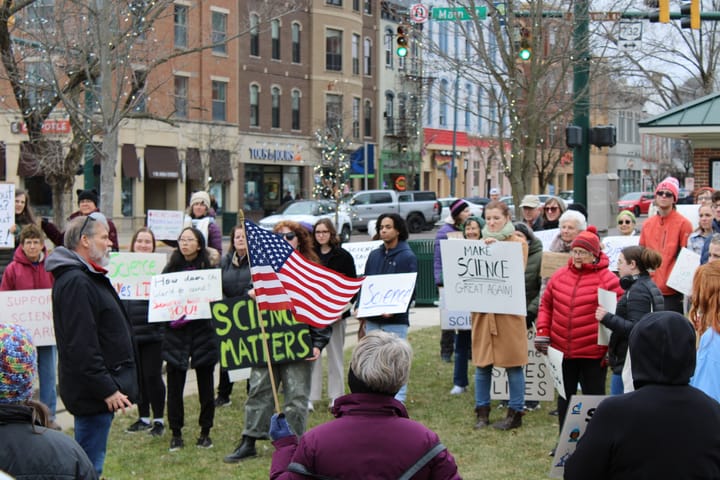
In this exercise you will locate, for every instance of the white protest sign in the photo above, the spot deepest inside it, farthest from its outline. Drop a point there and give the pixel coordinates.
(7, 214)
(360, 252)
(239, 374)
(386, 294)
(31, 309)
(188, 294)
(681, 276)
(452, 319)
(580, 410)
(553, 360)
(130, 273)
(614, 244)
(203, 225)
(165, 224)
(487, 277)
(547, 237)
(691, 212)
(538, 382)
(607, 300)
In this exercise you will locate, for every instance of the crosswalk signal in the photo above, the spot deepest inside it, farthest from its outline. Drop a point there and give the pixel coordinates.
(402, 41)
(525, 51)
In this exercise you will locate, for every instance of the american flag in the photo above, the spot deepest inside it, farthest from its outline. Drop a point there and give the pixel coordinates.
(284, 280)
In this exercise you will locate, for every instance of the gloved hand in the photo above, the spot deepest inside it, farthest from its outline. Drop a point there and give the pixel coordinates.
(542, 344)
(179, 323)
(279, 427)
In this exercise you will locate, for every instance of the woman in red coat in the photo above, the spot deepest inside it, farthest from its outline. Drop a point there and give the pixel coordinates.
(566, 319)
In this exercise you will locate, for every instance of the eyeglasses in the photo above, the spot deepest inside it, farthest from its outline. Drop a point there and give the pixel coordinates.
(552, 209)
(665, 194)
(289, 236)
(322, 232)
(624, 222)
(187, 240)
(580, 253)
(94, 216)
(705, 197)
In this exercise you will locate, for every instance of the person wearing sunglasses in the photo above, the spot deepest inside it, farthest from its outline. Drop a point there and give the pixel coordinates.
(667, 232)
(553, 208)
(626, 223)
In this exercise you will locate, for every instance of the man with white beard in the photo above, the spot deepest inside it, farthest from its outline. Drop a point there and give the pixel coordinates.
(97, 368)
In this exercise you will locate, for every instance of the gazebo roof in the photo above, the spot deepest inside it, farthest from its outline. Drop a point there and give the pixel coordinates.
(697, 121)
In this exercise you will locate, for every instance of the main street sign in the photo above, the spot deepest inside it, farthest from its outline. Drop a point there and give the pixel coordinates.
(458, 13)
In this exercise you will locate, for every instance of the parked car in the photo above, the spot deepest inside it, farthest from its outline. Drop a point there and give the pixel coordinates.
(445, 203)
(310, 211)
(685, 197)
(636, 202)
(510, 202)
(420, 209)
(567, 196)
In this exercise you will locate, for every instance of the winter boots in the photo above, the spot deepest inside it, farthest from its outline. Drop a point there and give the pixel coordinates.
(483, 417)
(512, 420)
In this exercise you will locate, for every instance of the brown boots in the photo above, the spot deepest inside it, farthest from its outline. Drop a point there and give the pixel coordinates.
(512, 420)
(483, 417)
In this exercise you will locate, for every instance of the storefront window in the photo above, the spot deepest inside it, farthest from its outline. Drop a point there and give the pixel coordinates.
(126, 196)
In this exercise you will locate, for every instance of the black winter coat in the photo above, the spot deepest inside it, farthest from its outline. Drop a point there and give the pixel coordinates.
(236, 280)
(642, 297)
(145, 332)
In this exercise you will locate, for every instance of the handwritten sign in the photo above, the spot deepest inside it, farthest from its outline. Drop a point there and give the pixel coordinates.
(165, 224)
(382, 294)
(614, 244)
(691, 212)
(237, 326)
(188, 294)
(607, 300)
(552, 262)
(7, 214)
(681, 276)
(580, 410)
(360, 252)
(453, 319)
(488, 277)
(130, 273)
(33, 310)
(553, 360)
(547, 237)
(538, 381)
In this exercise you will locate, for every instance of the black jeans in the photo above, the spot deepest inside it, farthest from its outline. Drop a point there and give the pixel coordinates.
(591, 375)
(175, 405)
(152, 387)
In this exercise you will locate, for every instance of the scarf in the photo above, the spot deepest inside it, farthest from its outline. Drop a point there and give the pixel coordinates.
(505, 232)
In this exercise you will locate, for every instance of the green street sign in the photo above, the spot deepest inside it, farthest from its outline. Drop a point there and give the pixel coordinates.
(457, 13)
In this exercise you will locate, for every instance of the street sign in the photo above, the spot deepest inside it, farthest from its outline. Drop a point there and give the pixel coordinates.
(457, 13)
(419, 13)
(629, 35)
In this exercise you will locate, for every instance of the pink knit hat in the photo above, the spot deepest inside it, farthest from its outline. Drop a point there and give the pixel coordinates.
(670, 184)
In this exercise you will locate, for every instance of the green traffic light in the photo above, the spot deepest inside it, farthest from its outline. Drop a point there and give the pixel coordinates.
(525, 54)
(402, 51)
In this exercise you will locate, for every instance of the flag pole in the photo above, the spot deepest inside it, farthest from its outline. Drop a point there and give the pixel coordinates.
(266, 349)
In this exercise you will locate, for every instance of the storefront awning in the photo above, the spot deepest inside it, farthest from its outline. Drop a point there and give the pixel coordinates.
(220, 168)
(193, 164)
(162, 162)
(130, 164)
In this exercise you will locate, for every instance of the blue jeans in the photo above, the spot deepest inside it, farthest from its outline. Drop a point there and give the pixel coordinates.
(91, 432)
(47, 361)
(399, 330)
(462, 348)
(616, 384)
(516, 380)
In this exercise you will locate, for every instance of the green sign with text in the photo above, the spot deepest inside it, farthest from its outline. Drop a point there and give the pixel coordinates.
(457, 13)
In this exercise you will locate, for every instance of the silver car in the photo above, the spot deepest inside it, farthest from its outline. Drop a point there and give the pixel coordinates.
(309, 212)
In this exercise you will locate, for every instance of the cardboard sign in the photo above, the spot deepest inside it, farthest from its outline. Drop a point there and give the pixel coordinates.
(453, 319)
(552, 262)
(237, 326)
(481, 276)
(580, 410)
(130, 273)
(553, 360)
(184, 294)
(613, 245)
(683, 271)
(691, 212)
(538, 381)
(547, 237)
(607, 300)
(382, 294)
(165, 224)
(31, 309)
(7, 215)
(360, 252)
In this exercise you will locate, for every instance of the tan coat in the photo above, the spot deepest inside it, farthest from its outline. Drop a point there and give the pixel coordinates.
(500, 339)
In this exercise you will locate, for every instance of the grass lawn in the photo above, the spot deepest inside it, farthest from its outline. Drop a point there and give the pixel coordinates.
(488, 454)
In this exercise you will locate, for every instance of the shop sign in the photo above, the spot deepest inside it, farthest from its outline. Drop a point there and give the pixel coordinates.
(274, 155)
(49, 127)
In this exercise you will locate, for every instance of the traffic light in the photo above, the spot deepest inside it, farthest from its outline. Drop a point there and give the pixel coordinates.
(402, 41)
(690, 15)
(525, 51)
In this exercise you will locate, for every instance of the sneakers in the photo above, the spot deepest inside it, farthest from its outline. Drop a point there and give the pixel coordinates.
(456, 390)
(532, 405)
(222, 401)
(138, 426)
(157, 429)
(204, 442)
(176, 444)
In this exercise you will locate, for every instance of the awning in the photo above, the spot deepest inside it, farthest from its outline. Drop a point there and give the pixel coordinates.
(130, 164)
(220, 168)
(193, 164)
(162, 162)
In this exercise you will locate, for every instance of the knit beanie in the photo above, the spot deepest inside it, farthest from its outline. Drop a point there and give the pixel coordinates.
(670, 184)
(589, 241)
(626, 213)
(200, 197)
(18, 363)
(457, 207)
(91, 195)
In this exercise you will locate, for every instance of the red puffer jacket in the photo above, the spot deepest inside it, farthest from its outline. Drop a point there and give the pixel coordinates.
(567, 308)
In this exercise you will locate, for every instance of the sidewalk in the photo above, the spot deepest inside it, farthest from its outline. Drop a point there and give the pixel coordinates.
(420, 317)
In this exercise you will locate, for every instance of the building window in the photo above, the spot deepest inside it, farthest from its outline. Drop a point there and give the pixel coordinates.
(181, 96)
(219, 32)
(140, 100)
(389, 109)
(275, 39)
(356, 118)
(389, 40)
(296, 43)
(138, 10)
(367, 57)
(356, 5)
(333, 50)
(275, 112)
(181, 26)
(367, 115)
(219, 99)
(356, 54)
(254, 106)
(468, 116)
(443, 103)
(402, 114)
(39, 79)
(333, 112)
(40, 15)
(295, 110)
(254, 36)
(337, 3)
(443, 39)
(367, 8)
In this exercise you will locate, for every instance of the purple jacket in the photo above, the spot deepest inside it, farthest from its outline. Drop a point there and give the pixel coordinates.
(372, 436)
(442, 234)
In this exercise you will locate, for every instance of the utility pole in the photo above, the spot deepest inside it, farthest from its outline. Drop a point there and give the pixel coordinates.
(581, 95)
